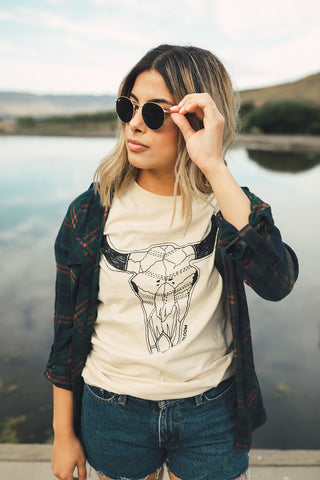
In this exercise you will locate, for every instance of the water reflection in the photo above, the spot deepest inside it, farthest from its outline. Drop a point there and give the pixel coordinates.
(293, 162)
(41, 176)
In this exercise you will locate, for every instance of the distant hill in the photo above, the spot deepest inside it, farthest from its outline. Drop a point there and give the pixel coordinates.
(306, 89)
(16, 104)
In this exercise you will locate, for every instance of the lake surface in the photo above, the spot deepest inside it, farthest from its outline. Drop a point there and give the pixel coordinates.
(40, 176)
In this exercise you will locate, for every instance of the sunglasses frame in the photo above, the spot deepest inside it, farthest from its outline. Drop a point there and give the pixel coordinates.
(135, 108)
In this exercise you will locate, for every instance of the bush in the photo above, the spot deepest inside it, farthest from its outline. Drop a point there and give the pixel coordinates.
(245, 109)
(81, 118)
(26, 122)
(284, 117)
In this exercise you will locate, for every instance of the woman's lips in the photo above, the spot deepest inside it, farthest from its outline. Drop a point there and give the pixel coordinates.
(136, 146)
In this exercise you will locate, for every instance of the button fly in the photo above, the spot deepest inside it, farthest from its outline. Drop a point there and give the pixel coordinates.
(166, 431)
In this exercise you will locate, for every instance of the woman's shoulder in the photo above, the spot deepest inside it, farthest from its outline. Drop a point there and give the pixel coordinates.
(86, 200)
(257, 204)
(84, 211)
(86, 197)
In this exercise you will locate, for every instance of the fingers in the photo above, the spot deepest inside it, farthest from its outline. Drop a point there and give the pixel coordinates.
(183, 124)
(82, 471)
(200, 104)
(65, 457)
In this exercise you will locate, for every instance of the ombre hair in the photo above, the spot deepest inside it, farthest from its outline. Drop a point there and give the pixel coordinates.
(185, 70)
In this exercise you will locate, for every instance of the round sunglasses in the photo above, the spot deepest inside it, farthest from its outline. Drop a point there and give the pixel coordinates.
(153, 114)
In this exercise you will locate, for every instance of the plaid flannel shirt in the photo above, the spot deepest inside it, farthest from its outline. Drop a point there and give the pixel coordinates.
(255, 255)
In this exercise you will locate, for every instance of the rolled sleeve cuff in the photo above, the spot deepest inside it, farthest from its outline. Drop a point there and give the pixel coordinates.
(59, 376)
(253, 235)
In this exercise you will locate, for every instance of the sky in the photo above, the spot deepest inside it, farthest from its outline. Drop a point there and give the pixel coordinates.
(87, 46)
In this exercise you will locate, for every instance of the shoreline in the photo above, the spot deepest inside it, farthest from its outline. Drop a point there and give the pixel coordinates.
(265, 142)
(280, 143)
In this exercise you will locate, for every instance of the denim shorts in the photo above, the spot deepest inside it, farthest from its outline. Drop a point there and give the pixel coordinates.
(125, 437)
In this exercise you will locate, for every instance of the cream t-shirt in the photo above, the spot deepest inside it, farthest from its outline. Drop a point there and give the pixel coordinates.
(161, 330)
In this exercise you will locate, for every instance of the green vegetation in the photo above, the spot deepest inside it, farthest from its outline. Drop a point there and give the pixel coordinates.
(246, 108)
(286, 117)
(81, 118)
(282, 117)
(283, 389)
(9, 430)
(103, 123)
(13, 388)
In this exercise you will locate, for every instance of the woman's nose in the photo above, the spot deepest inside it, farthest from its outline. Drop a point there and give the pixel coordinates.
(137, 122)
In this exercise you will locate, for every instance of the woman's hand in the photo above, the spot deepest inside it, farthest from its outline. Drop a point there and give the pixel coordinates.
(204, 146)
(67, 454)
(205, 150)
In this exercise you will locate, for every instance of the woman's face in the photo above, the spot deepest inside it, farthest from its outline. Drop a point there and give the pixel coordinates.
(153, 152)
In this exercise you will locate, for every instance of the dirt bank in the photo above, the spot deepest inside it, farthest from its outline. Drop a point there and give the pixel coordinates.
(285, 143)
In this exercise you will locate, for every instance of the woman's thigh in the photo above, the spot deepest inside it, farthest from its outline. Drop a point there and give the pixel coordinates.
(203, 440)
(135, 438)
(119, 437)
(244, 476)
(158, 475)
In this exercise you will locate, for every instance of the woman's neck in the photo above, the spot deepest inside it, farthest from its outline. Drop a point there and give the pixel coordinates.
(152, 182)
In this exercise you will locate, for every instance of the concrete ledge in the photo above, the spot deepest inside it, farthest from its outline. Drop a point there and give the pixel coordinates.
(25, 452)
(284, 458)
(32, 462)
(34, 452)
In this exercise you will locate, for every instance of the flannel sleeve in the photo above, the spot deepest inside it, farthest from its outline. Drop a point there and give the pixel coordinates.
(58, 369)
(263, 261)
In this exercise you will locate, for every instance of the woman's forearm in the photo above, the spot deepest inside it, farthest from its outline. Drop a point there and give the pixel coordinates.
(233, 202)
(67, 452)
(62, 412)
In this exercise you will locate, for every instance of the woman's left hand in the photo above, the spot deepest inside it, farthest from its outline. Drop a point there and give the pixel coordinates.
(204, 146)
(205, 150)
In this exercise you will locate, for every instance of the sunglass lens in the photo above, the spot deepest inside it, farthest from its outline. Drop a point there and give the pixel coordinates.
(153, 115)
(124, 108)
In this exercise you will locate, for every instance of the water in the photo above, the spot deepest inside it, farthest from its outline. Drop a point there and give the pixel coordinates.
(39, 178)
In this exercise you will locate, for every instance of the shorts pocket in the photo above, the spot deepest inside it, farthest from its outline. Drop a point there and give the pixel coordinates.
(220, 391)
(100, 395)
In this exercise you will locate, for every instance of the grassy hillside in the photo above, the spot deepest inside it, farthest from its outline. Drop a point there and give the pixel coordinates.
(304, 90)
(18, 104)
(290, 108)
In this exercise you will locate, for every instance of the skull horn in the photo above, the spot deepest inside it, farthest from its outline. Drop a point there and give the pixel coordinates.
(116, 259)
(206, 246)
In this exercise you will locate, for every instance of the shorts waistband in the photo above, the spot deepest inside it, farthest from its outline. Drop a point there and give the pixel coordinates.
(198, 399)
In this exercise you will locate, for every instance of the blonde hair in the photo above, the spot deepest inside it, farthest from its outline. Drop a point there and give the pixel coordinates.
(184, 70)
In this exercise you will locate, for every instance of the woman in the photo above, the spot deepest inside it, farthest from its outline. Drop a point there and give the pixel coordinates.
(152, 357)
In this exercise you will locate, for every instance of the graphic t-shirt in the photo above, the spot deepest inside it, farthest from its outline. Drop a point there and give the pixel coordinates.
(161, 331)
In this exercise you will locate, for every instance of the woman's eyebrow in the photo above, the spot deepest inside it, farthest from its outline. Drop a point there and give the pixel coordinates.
(161, 100)
(155, 100)
(133, 96)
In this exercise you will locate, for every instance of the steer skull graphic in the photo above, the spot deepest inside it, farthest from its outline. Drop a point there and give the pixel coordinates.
(162, 277)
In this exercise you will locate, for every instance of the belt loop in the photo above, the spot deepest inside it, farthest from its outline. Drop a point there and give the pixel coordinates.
(122, 399)
(198, 399)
